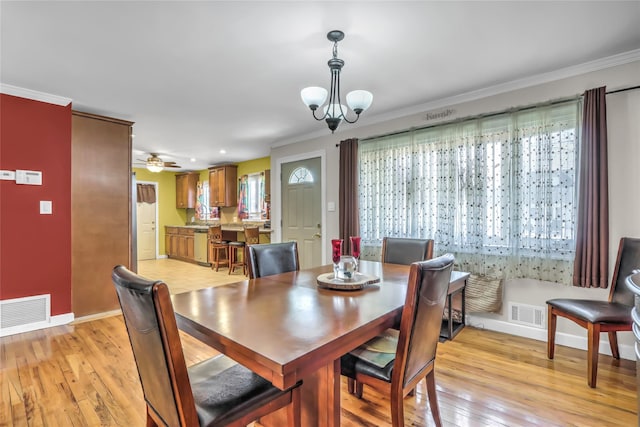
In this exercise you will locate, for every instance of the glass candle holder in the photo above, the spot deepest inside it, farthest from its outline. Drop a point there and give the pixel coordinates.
(355, 246)
(336, 250)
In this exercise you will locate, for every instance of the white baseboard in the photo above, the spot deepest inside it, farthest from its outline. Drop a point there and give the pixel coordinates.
(58, 320)
(573, 341)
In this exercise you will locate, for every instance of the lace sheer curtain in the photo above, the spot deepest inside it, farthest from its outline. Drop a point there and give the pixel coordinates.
(498, 192)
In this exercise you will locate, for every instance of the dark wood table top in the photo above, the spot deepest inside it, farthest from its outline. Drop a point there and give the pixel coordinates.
(284, 327)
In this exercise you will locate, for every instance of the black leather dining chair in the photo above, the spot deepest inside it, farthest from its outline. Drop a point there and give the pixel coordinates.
(215, 392)
(396, 250)
(598, 316)
(272, 258)
(411, 356)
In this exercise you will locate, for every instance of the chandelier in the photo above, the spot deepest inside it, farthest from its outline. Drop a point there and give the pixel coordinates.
(334, 112)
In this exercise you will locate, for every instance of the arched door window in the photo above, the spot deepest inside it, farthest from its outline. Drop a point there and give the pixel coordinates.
(300, 175)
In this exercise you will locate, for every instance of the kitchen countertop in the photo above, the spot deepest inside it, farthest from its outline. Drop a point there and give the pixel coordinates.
(225, 227)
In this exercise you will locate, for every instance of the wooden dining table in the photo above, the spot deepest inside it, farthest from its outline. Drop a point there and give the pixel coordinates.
(287, 329)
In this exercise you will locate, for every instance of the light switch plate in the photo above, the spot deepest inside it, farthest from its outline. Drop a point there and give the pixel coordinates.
(331, 206)
(46, 207)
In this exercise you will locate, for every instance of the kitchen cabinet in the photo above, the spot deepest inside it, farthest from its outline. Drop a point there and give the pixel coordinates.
(186, 185)
(223, 186)
(179, 243)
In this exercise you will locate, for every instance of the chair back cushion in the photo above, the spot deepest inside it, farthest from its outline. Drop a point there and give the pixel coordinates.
(422, 315)
(273, 258)
(628, 261)
(147, 334)
(397, 250)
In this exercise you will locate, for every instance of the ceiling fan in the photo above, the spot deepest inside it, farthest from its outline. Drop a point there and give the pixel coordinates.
(155, 164)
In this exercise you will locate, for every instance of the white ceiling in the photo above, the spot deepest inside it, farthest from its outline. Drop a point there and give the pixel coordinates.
(198, 77)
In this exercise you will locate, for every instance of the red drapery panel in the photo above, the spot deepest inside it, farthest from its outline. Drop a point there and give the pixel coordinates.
(591, 266)
(348, 194)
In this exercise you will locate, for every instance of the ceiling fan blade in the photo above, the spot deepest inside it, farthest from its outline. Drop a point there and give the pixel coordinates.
(171, 165)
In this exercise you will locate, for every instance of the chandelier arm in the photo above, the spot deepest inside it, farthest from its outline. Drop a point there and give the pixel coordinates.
(313, 113)
(344, 113)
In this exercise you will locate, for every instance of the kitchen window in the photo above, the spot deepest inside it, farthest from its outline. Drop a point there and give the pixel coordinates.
(252, 204)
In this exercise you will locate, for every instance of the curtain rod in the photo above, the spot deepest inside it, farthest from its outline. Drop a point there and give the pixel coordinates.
(476, 117)
(482, 116)
(622, 90)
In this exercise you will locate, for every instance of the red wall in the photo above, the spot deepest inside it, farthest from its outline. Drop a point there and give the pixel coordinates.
(35, 250)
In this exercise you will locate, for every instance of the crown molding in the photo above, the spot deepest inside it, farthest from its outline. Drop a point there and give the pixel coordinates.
(563, 73)
(34, 95)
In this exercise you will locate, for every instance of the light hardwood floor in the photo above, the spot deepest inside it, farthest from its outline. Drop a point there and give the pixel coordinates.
(84, 374)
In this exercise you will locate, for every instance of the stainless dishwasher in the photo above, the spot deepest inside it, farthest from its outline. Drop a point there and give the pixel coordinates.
(200, 246)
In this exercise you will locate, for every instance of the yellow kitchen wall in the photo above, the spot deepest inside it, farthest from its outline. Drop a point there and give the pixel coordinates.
(253, 166)
(168, 214)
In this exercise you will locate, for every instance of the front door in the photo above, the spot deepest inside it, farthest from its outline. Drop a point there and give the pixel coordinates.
(146, 230)
(301, 209)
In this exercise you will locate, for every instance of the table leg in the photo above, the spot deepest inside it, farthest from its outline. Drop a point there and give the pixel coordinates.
(320, 400)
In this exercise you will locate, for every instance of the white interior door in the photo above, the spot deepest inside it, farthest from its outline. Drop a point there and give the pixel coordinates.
(146, 230)
(301, 209)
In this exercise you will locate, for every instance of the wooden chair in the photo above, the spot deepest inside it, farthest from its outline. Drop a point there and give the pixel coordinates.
(272, 258)
(217, 247)
(397, 250)
(415, 348)
(215, 392)
(600, 316)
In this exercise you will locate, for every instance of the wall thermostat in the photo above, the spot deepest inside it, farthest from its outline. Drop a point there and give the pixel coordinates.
(28, 177)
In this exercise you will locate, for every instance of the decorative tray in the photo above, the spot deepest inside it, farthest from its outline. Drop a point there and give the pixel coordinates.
(328, 281)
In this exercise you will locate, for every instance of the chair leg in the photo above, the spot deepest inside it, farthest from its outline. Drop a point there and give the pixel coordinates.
(613, 343)
(592, 353)
(551, 332)
(351, 385)
(232, 258)
(359, 388)
(397, 408)
(433, 398)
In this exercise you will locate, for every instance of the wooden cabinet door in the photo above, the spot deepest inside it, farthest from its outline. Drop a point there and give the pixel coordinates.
(214, 187)
(223, 186)
(186, 187)
(190, 245)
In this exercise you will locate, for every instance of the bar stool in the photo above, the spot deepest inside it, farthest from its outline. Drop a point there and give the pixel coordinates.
(234, 262)
(217, 245)
(251, 236)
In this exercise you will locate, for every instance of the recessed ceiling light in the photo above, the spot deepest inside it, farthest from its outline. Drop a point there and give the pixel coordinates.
(193, 159)
(223, 151)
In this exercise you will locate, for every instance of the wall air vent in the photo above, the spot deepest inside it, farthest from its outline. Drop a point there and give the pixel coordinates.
(19, 312)
(529, 315)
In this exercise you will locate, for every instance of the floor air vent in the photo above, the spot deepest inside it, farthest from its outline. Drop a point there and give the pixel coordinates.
(529, 315)
(25, 311)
